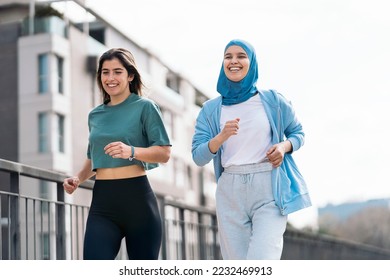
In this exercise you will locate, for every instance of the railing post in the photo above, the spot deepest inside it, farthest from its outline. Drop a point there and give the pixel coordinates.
(202, 239)
(60, 224)
(183, 233)
(214, 230)
(14, 238)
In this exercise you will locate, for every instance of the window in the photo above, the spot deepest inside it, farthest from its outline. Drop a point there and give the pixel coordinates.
(60, 74)
(200, 98)
(61, 133)
(43, 133)
(173, 81)
(44, 62)
(168, 118)
(43, 73)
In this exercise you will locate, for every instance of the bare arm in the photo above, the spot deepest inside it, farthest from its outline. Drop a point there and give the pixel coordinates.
(71, 184)
(153, 154)
(150, 154)
(86, 172)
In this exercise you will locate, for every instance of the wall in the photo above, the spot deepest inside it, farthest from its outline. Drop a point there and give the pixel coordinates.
(305, 246)
(8, 92)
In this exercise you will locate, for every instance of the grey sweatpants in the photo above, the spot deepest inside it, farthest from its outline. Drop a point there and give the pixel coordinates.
(250, 224)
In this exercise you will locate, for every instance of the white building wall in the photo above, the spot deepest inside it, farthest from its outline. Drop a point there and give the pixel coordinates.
(31, 102)
(82, 94)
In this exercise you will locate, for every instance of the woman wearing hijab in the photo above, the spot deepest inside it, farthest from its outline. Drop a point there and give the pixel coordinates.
(250, 135)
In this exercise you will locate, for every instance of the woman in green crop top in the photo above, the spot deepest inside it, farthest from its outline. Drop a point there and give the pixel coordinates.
(127, 137)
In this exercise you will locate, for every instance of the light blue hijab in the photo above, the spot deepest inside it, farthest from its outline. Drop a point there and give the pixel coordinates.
(237, 92)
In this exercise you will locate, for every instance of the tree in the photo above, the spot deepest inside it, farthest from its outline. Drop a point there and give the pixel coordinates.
(369, 226)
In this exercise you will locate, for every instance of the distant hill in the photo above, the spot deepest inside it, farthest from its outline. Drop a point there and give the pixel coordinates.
(345, 210)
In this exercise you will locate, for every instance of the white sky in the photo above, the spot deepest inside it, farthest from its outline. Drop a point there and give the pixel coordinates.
(331, 58)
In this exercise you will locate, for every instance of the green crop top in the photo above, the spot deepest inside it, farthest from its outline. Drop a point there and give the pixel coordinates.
(136, 121)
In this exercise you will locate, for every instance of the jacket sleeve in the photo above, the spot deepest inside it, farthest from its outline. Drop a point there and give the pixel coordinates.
(293, 130)
(201, 153)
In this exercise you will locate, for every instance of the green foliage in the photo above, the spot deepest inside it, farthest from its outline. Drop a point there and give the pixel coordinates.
(47, 11)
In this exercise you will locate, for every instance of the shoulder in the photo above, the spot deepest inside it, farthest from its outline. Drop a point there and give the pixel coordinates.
(149, 104)
(273, 97)
(210, 107)
(97, 109)
(140, 104)
(212, 103)
(148, 109)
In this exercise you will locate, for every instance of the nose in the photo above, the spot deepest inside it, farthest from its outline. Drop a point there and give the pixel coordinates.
(233, 60)
(110, 76)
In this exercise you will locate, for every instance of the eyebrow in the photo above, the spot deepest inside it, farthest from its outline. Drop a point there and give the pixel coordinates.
(113, 69)
(239, 53)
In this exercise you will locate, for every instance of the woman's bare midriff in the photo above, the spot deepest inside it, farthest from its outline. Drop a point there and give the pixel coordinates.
(120, 172)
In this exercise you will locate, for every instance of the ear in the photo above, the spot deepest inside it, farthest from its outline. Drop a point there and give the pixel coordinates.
(131, 77)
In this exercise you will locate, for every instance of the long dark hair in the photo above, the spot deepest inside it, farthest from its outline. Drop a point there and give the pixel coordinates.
(126, 58)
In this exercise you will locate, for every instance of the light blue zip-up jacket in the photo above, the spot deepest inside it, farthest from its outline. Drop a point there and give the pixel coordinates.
(289, 187)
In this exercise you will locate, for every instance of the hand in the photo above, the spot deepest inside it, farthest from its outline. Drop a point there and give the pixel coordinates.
(231, 128)
(118, 150)
(71, 184)
(276, 154)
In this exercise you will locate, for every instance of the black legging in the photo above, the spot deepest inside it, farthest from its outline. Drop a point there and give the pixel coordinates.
(123, 208)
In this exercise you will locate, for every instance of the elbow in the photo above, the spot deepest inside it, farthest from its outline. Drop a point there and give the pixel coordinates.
(165, 159)
(201, 156)
(198, 161)
(166, 156)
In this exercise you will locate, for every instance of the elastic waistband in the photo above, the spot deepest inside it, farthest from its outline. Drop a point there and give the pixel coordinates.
(122, 180)
(134, 185)
(249, 168)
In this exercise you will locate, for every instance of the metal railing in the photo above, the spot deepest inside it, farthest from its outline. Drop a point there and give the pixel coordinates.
(39, 228)
(36, 228)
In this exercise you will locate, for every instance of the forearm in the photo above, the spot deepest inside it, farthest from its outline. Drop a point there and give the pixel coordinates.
(160, 154)
(86, 172)
(287, 146)
(215, 143)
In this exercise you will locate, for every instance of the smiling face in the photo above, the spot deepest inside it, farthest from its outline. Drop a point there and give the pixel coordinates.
(115, 80)
(235, 63)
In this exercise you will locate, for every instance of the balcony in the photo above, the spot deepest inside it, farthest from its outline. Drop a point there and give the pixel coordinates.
(48, 24)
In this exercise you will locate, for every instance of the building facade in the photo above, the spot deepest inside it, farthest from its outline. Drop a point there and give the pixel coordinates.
(48, 76)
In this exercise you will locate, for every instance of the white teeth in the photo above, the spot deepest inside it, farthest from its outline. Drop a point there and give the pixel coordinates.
(111, 85)
(234, 69)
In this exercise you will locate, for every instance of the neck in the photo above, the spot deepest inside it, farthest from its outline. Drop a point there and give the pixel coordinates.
(115, 100)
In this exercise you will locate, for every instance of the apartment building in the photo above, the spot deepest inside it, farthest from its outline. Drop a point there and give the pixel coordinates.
(48, 86)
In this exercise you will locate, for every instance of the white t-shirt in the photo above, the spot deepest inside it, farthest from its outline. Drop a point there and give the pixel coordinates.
(253, 140)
